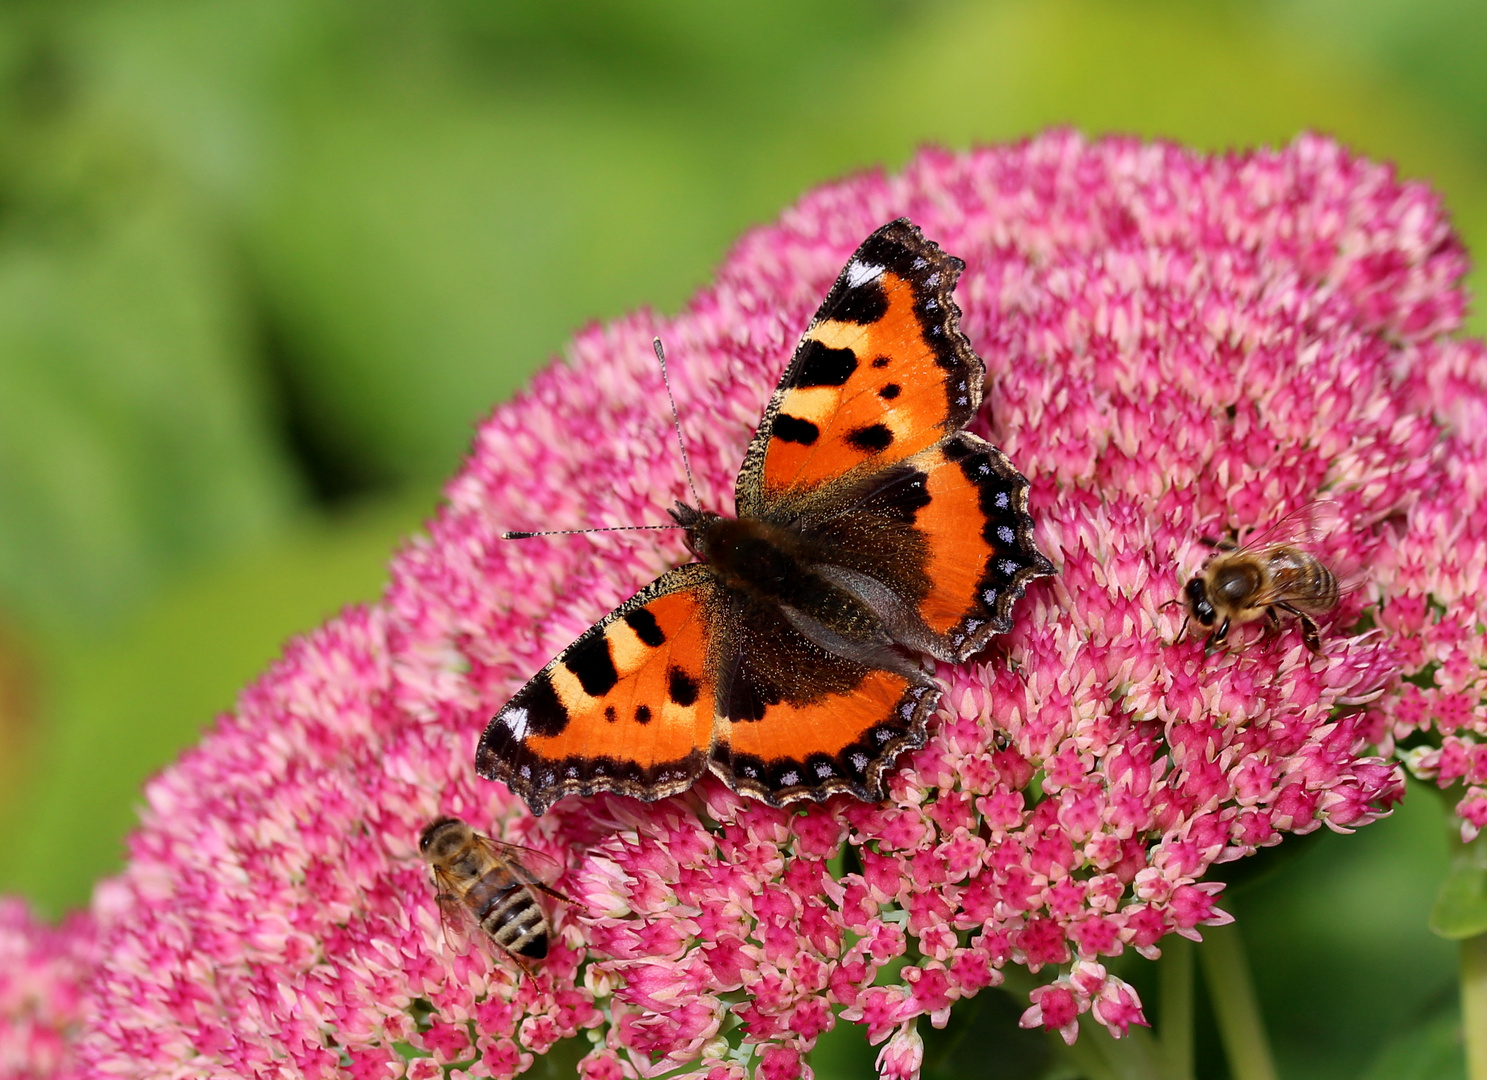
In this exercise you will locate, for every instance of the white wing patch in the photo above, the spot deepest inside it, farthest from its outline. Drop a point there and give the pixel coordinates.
(516, 723)
(859, 273)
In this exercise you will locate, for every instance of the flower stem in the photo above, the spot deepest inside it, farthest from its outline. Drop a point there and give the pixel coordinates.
(1235, 1006)
(1175, 1027)
(1474, 1004)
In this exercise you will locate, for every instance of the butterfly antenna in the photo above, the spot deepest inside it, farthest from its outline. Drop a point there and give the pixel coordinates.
(580, 532)
(686, 464)
(677, 420)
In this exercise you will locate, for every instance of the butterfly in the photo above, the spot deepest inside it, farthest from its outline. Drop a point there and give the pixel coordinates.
(869, 528)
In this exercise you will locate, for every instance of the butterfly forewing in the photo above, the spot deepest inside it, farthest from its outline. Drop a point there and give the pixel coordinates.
(882, 373)
(627, 707)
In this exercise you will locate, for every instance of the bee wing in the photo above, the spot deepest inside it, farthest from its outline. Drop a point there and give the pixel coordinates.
(1305, 526)
(454, 912)
(1269, 597)
(1322, 528)
(526, 865)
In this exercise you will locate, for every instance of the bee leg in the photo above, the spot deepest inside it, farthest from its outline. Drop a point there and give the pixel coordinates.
(1272, 623)
(550, 891)
(522, 964)
(1217, 638)
(1184, 631)
(1309, 632)
(446, 902)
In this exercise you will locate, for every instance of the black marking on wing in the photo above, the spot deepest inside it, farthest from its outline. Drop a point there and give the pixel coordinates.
(594, 667)
(862, 304)
(872, 439)
(823, 366)
(546, 714)
(681, 687)
(645, 626)
(792, 429)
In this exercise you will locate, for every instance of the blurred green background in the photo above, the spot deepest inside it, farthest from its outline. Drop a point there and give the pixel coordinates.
(263, 264)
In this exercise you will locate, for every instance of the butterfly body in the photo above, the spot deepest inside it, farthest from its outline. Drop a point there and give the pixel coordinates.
(778, 572)
(869, 529)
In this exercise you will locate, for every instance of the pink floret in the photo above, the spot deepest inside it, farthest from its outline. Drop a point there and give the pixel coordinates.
(1177, 346)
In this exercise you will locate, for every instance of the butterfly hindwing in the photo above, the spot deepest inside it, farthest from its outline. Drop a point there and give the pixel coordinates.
(979, 539)
(882, 373)
(939, 546)
(627, 707)
(801, 719)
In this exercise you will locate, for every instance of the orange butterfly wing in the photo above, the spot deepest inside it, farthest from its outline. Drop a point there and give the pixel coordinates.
(979, 545)
(628, 707)
(862, 455)
(882, 373)
(862, 444)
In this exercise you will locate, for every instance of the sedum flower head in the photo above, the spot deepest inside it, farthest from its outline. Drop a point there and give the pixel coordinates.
(42, 998)
(1177, 346)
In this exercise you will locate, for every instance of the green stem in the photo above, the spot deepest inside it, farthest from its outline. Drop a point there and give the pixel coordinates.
(1474, 1004)
(1234, 1004)
(1175, 1027)
(1098, 1056)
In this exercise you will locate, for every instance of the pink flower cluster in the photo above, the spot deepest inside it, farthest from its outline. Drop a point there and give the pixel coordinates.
(1177, 346)
(42, 1001)
(1437, 581)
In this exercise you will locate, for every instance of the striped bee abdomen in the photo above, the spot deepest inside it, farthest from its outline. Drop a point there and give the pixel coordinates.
(511, 915)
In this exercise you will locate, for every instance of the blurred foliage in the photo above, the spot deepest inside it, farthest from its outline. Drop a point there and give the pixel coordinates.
(161, 681)
(263, 265)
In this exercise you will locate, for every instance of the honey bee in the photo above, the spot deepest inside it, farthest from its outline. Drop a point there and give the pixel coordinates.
(1240, 584)
(495, 885)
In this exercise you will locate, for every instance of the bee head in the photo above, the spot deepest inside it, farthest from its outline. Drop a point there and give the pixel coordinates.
(1198, 602)
(440, 833)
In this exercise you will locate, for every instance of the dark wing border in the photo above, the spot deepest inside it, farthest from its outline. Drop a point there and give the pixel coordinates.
(901, 247)
(1010, 567)
(501, 756)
